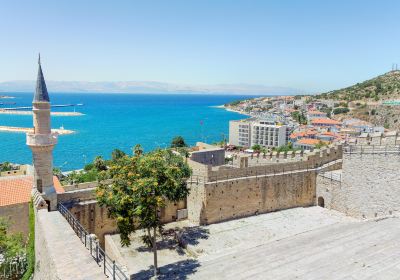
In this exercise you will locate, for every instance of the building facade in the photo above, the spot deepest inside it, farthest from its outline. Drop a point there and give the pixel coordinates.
(253, 131)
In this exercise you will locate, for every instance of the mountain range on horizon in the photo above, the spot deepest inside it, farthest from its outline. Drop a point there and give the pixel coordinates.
(147, 87)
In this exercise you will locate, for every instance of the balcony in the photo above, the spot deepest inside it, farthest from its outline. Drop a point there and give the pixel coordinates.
(41, 139)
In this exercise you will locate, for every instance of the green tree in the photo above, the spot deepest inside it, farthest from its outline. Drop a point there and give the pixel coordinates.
(256, 148)
(178, 142)
(142, 184)
(117, 154)
(5, 166)
(137, 150)
(57, 172)
(100, 164)
(320, 144)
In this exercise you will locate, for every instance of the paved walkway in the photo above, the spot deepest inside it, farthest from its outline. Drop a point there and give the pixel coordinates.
(62, 252)
(360, 250)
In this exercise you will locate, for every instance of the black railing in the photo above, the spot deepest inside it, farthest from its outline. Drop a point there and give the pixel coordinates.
(110, 268)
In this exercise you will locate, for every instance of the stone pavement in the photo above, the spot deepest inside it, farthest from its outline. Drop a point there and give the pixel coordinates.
(59, 252)
(360, 250)
(213, 242)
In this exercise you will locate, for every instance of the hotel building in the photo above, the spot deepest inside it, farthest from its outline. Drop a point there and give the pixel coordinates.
(249, 132)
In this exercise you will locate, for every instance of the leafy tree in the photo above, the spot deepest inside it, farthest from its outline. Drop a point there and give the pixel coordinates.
(57, 172)
(137, 150)
(141, 186)
(117, 154)
(286, 148)
(5, 166)
(340, 110)
(299, 117)
(320, 144)
(256, 148)
(89, 167)
(100, 164)
(178, 142)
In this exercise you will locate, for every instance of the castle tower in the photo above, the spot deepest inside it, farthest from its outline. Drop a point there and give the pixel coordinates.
(42, 142)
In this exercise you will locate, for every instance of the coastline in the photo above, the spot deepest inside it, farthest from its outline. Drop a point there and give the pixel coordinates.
(232, 110)
(28, 129)
(64, 114)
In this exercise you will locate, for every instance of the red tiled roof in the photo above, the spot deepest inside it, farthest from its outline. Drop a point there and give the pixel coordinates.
(325, 121)
(16, 190)
(307, 141)
(316, 112)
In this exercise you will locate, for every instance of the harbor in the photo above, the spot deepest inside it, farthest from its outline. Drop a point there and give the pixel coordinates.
(63, 114)
(30, 107)
(60, 131)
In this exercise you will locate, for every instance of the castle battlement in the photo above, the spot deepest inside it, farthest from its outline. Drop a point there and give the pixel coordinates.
(274, 162)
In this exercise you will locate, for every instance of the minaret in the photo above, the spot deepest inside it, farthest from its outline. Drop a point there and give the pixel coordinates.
(42, 142)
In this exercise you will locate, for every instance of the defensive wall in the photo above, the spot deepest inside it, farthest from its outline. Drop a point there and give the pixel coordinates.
(59, 254)
(80, 200)
(228, 192)
(368, 184)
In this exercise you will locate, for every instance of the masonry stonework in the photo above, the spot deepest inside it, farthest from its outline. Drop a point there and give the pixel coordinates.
(368, 188)
(220, 194)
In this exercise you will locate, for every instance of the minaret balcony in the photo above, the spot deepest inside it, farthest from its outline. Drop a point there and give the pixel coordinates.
(41, 139)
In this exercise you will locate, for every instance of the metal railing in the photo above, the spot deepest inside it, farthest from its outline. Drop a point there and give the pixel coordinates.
(110, 268)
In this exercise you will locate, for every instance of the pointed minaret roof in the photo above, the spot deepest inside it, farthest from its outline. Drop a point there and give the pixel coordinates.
(41, 94)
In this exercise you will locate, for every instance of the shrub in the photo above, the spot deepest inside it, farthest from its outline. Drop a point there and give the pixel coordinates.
(30, 248)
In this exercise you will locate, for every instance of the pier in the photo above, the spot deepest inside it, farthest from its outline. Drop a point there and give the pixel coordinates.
(30, 107)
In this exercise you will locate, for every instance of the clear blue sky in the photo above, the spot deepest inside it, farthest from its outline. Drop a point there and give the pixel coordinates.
(311, 45)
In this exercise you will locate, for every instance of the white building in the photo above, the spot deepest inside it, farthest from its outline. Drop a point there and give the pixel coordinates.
(250, 132)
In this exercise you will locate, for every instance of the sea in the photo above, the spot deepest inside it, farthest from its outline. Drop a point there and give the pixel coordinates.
(120, 121)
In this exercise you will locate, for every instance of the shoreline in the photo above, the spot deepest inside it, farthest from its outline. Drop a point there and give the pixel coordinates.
(232, 110)
(64, 114)
(28, 129)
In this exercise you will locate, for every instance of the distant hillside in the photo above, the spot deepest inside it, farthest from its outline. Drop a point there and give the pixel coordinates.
(386, 86)
(146, 87)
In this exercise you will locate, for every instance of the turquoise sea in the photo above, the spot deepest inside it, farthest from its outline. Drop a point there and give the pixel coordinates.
(119, 121)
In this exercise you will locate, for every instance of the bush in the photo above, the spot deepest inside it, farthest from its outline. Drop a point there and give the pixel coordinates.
(30, 248)
(339, 110)
(178, 142)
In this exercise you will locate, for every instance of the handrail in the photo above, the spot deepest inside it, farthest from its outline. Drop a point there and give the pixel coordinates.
(110, 268)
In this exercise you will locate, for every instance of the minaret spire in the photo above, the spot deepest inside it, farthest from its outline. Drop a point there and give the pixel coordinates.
(42, 141)
(41, 94)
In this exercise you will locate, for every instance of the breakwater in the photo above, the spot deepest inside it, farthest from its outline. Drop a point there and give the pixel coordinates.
(28, 129)
(65, 114)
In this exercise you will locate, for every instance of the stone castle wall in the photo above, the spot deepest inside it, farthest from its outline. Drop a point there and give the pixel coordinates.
(81, 202)
(369, 186)
(17, 216)
(226, 194)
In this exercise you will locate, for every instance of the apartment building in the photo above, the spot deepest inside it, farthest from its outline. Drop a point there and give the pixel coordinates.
(253, 131)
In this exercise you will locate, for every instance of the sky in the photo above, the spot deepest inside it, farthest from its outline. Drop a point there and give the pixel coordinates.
(309, 45)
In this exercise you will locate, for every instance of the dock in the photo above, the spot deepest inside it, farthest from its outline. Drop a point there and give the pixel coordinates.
(30, 107)
(30, 130)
